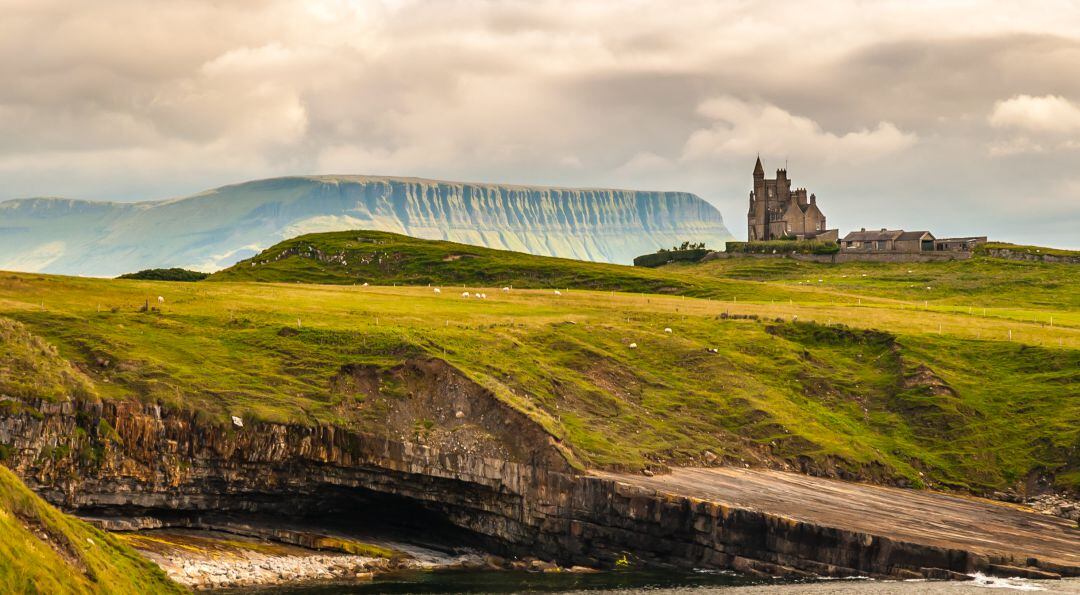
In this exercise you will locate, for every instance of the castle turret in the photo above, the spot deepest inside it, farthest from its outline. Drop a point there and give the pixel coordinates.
(759, 171)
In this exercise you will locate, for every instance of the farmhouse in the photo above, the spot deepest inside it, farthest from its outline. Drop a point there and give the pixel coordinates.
(898, 240)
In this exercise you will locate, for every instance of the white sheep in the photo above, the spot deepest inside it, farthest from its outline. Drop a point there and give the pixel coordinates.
(557, 292)
(160, 300)
(667, 330)
(464, 294)
(633, 346)
(437, 290)
(505, 289)
(365, 284)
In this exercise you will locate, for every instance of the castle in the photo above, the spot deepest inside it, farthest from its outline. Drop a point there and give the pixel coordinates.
(777, 211)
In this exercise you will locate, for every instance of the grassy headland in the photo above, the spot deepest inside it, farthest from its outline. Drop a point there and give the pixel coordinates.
(966, 385)
(45, 551)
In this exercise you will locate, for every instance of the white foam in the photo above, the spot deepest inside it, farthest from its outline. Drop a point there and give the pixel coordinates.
(993, 582)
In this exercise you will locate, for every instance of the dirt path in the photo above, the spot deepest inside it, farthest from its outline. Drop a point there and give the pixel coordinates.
(921, 517)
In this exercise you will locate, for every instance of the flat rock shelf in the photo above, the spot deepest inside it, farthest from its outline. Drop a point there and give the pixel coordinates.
(982, 527)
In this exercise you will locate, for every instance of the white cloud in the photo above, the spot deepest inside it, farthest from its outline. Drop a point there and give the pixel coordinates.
(741, 128)
(1048, 114)
(1035, 125)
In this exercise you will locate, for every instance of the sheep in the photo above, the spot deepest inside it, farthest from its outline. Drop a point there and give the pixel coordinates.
(160, 300)
(437, 290)
(365, 284)
(667, 330)
(557, 292)
(633, 346)
(465, 294)
(506, 289)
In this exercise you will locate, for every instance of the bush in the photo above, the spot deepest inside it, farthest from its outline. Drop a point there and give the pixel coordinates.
(174, 274)
(665, 256)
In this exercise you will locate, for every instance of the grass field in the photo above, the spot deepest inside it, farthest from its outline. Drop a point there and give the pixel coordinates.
(966, 385)
(45, 551)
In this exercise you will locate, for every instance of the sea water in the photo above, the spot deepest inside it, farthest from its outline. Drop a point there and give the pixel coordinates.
(659, 583)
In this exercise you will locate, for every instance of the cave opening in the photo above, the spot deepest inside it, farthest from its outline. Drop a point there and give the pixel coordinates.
(355, 513)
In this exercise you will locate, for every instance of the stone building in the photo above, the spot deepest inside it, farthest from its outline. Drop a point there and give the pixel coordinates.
(898, 240)
(887, 240)
(777, 211)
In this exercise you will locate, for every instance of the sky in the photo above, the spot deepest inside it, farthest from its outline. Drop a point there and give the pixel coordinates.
(960, 117)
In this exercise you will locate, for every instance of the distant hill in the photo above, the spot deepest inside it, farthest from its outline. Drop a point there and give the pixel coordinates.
(214, 229)
(383, 258)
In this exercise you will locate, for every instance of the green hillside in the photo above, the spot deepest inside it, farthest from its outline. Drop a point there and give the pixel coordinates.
(382, 258)
(45, 551)
(967, 385)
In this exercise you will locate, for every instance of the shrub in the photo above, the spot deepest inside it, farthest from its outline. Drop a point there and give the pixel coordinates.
(173, 274)
(665, 256)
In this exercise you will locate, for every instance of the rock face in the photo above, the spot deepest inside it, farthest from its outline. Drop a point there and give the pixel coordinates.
(490, 471)
(214, 229)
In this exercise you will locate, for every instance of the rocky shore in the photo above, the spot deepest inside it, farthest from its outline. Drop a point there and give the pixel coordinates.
(200, 559)
(250, 569)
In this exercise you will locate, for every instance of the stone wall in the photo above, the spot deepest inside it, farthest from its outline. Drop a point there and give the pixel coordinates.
(843, 257)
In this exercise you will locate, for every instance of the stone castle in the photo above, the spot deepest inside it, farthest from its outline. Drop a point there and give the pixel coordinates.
(777, 211)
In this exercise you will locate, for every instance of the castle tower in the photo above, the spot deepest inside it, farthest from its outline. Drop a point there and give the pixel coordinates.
(777, 210)
(759, 206)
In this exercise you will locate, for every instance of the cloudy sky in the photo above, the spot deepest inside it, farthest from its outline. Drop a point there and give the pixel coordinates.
(958, 116)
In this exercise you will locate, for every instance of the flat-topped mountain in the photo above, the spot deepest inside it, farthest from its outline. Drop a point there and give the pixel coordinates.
(216, 228)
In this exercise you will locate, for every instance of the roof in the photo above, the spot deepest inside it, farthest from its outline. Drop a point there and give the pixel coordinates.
(877, 235)
(873, 235)
(757, 167)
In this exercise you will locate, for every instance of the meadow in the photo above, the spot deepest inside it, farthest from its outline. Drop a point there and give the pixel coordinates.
(965, 386)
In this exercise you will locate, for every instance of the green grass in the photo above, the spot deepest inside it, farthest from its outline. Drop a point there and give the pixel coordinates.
(45, 551)
(775, 392)
(965, 386)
